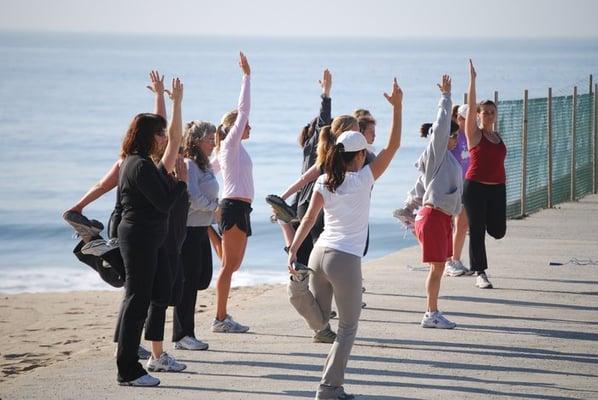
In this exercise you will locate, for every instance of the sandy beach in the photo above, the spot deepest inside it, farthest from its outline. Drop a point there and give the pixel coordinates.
(532, 337)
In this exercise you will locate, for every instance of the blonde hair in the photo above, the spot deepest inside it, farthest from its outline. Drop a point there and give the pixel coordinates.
(329, 133)
(226, 122)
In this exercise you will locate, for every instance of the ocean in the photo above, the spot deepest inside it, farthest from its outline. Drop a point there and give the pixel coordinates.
(67, 99)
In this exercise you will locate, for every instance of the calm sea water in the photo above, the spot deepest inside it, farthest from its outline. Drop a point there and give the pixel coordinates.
(66, 100)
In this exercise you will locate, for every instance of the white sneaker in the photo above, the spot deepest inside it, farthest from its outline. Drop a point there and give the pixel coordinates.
(97, 247)
(435, 319)
(145, 380)
(165, 363)
(482, 281)
(453, 268)
(190, 343)
(228, 325)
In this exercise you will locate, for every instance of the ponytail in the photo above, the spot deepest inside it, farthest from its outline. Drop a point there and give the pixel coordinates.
(424, 130)
(335, 166)
(325, 143)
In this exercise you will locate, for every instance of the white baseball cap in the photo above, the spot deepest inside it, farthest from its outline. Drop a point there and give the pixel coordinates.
(352, 141)
(462, 110)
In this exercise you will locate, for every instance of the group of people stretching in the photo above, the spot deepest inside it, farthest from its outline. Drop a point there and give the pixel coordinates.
(160, 233)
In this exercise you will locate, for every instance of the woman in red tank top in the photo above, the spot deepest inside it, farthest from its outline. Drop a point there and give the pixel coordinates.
(484, 190)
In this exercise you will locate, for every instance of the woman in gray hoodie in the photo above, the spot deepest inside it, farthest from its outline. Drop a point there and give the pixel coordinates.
(443, 182)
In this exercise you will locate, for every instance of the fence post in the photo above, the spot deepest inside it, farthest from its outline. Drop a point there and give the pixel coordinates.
(496, 127)
(573, 144)
(464, 98)
(595, 153)
(524, 155)
(549, 124)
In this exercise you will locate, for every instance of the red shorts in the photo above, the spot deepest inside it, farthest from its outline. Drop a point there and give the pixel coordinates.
(434, 231)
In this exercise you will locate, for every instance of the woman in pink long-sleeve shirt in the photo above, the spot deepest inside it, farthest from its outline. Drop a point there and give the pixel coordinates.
(237, 194)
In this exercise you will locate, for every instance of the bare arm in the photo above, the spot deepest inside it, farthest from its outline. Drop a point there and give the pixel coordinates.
(307, 223)
(382, 160)
(157, 87)
(308, 176)
(472, 133)
(103, 186)
(175, 130)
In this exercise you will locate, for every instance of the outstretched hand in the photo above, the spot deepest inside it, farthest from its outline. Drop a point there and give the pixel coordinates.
(396, 96)
(326, 83)
(244, 64)
(176, 95)
(472, 72)
(445, 85)
(157, 83)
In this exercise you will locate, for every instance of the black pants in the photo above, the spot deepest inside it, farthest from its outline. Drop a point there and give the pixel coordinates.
(486, 207)
(308, 244)
(163, 294)
(139, 249)
(197, 268)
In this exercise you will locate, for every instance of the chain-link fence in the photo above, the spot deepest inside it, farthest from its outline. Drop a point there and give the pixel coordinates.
(551, 149)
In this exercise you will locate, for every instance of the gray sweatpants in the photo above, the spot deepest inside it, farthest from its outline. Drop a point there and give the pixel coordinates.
(339, 274)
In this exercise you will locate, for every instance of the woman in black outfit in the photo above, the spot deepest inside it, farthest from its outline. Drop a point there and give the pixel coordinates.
(146, 201)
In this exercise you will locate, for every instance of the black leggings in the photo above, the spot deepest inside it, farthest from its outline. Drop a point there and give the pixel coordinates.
(139, 249)
(486, 207)
(307, 246)
(196, 260)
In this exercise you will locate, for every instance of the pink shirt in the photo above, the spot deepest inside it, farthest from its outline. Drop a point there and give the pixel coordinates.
(233, 160)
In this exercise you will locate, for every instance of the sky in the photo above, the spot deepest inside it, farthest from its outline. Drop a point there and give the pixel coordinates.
(309, 18)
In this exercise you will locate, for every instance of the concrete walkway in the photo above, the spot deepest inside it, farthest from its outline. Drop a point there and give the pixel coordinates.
(535, 336)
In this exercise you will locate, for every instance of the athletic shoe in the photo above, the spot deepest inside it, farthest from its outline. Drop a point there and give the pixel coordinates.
(228, 325)
(435, 319)
(453, 268)
(86, 229)
(145, 380)
(466, 271)
(333, 393)
(482, 281)
(282, 210)
(165, 363)
(325, 336)
(143, 353)
(190, 343)
(97, 247)
(404, 215)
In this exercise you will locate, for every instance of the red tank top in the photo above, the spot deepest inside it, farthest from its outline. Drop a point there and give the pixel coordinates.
(487, 162)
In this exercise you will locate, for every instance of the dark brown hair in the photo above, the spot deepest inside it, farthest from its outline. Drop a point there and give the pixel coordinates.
(140, 135)
(307, 132)
(486, 103)
(424, 130)
(455, 112)
(361, 112)
(335, 166)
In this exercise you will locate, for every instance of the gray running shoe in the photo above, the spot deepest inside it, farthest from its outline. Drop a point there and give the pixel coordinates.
(482, 281)
(453, 268)
(190, 343)
(333, 393)
(85, 228)
(435, 319)
(143, 353)
(282, 210)
(326, 335)
(144, 381)
(97, 247)
(228, 325)
(165, 363)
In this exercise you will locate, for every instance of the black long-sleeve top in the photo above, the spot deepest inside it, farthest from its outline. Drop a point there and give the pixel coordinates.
(145, 197)
(310, 147)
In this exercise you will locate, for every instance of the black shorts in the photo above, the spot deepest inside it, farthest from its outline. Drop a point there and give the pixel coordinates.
(235, 212)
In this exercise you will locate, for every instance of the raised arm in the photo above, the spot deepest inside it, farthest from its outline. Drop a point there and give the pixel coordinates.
(325, 117)
(236, 131)
(308, 176)
(103, 186)
(441, 128)
(472, 132)
(382, 160)
(175, 130)
(157, 87)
